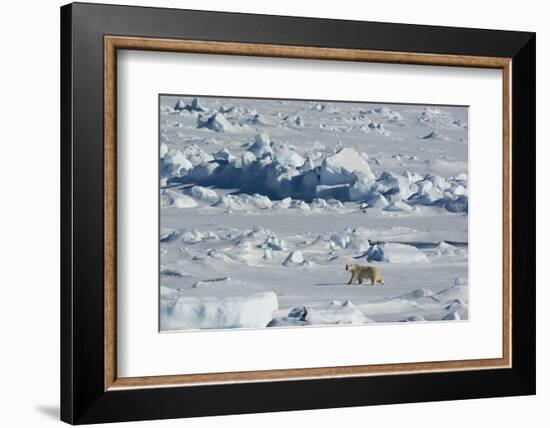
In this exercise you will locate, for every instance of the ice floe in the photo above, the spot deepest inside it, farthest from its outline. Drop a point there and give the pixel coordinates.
(396, 253)
(180, 311)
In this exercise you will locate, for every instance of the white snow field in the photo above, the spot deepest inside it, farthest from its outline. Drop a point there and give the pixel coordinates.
(264, 202)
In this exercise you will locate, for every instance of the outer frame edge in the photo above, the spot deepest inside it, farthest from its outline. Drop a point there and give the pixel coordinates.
(104, 409)
(524, 215)
(66, 304)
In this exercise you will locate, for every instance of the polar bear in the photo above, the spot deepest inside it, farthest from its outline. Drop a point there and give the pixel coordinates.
(358, 273)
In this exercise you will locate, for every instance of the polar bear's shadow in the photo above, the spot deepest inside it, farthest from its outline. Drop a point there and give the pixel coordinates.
(326, 284)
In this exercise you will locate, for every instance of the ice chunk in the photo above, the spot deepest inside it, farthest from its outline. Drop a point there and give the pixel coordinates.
(261, 146)
(223, 155)
(445, 249)
(194, 106)
(308, 165)
(191, 236)
(378, 201)
(174, 163)
(396, 253)
(218, 255)
(387, 113)
(377, 128)
(361, 187)
(174, 199)
(223, 281)
(428, 197)
(172, 273)
(341, 166)
(294, 258)
(434, 135)
(461, 281)
(259, 119)
(284, 203)
(244, 202)
(273, 243)
(419, 294)
(182, 312)
(455, 304)
(268, 254)
(300, 205)
(459, 124)
(339, 240)
(413, 177)
(210, 236)
(457, 309)
(451, 316)
(196, 155)
(217, 123)
(246, 159)
(339, 192)
(458, 189)
(319, 203)
(398, 206)
(295, 120)
(187, 236)
(457, 205)
(438, 181)
(180, 105)
(166, 291)
(424, 186)
(296, 317)
(205, 194)
(359, 244)
(262, 202)
(394, 186)
(170, 237)
(288, 157)
(434, 115)
(230, 203)
(281, 180)
(163, 150)
(337, 312)
(202, 173)
(335, 203)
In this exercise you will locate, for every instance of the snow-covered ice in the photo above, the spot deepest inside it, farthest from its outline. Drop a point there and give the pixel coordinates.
(396, 253)
(173, 198)
(181, 312)
(264, 202)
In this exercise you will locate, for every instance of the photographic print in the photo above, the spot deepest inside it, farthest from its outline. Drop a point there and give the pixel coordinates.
(295, 213)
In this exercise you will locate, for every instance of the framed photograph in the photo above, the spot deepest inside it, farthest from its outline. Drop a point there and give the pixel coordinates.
(267, 213)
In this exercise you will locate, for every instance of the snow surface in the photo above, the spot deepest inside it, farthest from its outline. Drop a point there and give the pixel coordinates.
(264, 203)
